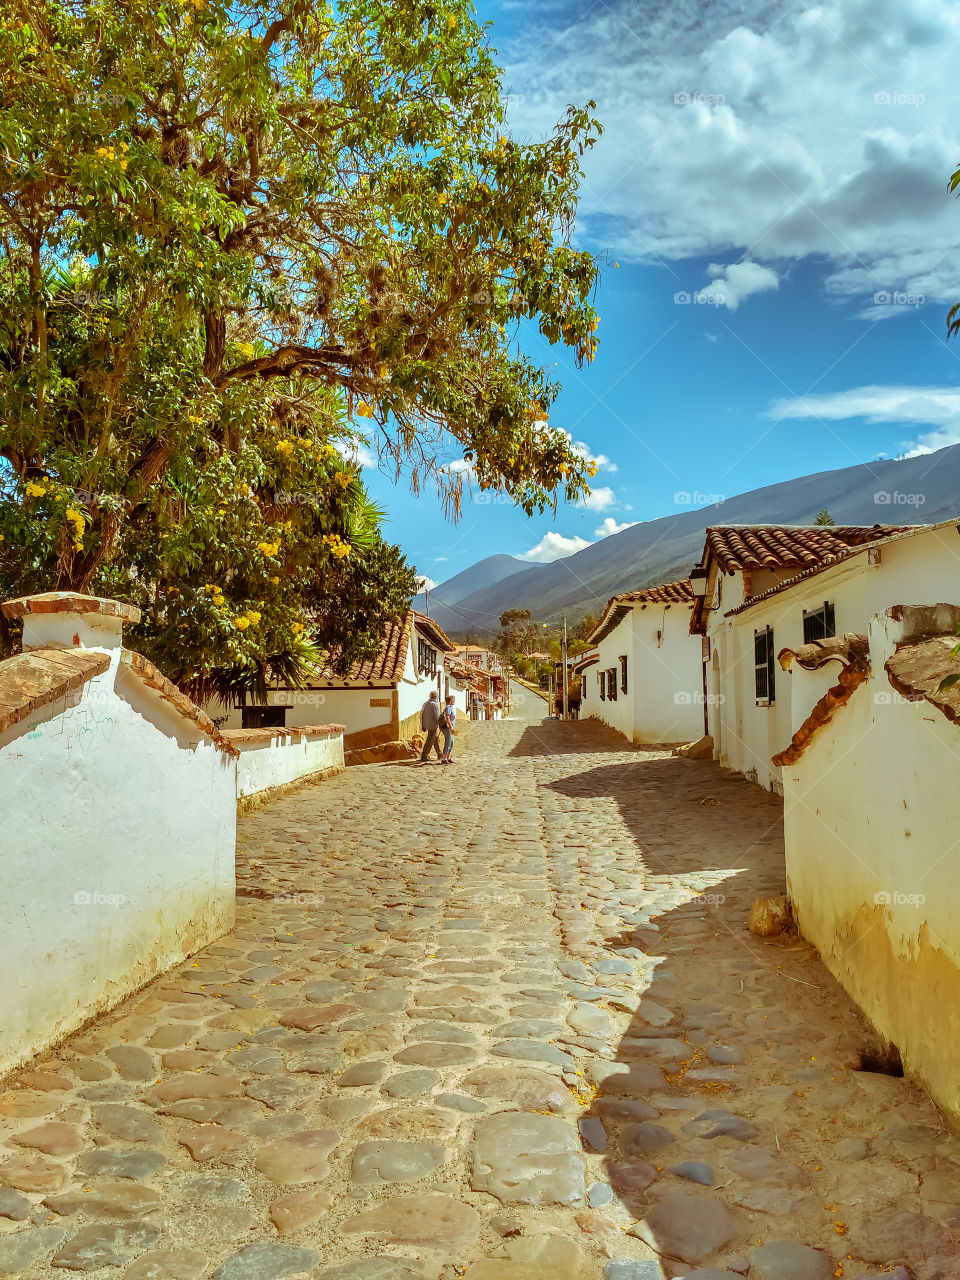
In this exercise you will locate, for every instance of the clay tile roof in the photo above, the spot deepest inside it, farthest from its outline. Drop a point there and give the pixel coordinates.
(41, 676)
(666, 593)
(739, 547)
(384, 668)
(433, 631)
(619, 606)
(69, 602)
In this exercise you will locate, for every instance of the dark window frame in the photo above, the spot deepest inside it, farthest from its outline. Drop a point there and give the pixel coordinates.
(764, 667)
(611, 684)
(819, 624)
(263, 717)
(426, 657)
(602, 682)
(623, 673)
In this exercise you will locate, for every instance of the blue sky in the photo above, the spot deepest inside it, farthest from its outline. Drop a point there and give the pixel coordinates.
(772, 181)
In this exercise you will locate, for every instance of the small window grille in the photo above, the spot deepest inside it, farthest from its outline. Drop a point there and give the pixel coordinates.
(819, 624)
(764, 664)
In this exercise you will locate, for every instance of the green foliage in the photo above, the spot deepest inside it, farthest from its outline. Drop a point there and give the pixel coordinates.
(232, 236)
(823, 517)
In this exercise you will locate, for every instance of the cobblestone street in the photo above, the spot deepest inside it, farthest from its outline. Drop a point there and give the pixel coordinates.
(502, 1021)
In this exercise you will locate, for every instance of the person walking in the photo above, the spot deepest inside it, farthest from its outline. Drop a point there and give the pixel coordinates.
(448, 721)
(430, 724)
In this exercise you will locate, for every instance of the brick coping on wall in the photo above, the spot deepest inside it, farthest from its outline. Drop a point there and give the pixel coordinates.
(251, 737)
(34, 679)
(156, 680)
(69, 602)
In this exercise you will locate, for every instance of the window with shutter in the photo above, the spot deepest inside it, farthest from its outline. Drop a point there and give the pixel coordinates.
(623, 673)
(764, 666)
(819, 624)
(612, 684)
(602, 684)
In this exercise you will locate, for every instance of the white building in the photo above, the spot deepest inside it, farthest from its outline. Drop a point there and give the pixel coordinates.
(763, 588)
(119, 814)
(869, 781)
(647, 681)
(378, 700)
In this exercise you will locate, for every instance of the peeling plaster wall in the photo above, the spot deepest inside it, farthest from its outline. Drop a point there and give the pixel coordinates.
(873, 869)
(118, 855)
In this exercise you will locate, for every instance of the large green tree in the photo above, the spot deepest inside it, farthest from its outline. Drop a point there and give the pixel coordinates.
(230, 233)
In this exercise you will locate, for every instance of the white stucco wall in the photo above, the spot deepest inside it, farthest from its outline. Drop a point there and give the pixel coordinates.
(664, 698)
(283, 758)
(117, 857)
(352, 707)
(923, 568)
(668, 695)
(618, 714)
(413, 689)
(871, 838)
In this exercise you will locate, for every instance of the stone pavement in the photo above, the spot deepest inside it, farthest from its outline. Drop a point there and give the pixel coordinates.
(501, 1021)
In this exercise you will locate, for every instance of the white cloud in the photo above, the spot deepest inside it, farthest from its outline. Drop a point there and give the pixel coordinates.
(554, 546)
(610, 527)
(738, 281)
(459, 466)
(355, 452)
(934, 407)
(823, 129)
(599, 499)
(424, 583)
(602, 462)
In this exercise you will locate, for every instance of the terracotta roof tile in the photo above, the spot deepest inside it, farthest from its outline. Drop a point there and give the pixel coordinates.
(34, 679)
(618, 606)
(386, 666)
(739, 547)
(666, 593)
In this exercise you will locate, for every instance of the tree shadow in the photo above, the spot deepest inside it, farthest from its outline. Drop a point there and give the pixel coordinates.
(727, 1031)
(573, 737)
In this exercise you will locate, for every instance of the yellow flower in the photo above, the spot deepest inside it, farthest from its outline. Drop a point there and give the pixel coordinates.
(73, 516)
(268, 548)
(254, 615)
(296, 627)
(241, 623)
(194, 418)
(34, 490)
(364, 410)
(343, 479)
(337, 546)
(285, 447)
(275, 581)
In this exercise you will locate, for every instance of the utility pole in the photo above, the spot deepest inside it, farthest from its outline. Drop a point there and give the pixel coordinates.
(565, 677)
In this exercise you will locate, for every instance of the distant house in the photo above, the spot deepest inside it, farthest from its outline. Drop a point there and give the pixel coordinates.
(647, 678)
(763, 590)
(379, 699)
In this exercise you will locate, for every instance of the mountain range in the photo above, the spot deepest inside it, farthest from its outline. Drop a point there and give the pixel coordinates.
(917, 490)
